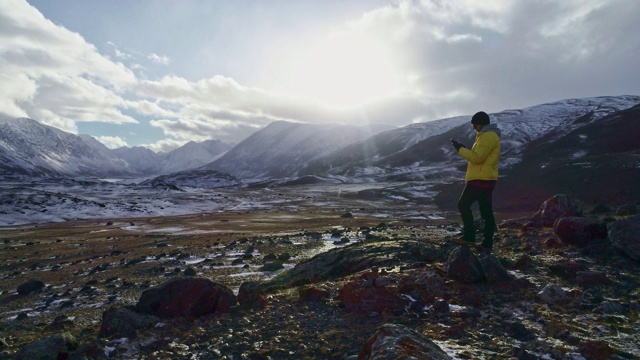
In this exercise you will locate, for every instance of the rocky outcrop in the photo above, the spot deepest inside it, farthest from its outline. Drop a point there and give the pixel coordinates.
(342, 262)
(392, 341)
(186, 297)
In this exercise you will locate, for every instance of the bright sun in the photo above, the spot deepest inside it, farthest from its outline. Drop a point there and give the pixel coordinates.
(342, 71)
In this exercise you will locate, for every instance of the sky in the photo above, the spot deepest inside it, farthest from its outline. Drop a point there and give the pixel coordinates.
(160, 73)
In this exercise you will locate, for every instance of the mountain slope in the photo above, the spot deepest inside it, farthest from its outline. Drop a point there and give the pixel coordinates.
(192, 155)
(44, 150)
(30, 148)
(282, 148)
(594, 161)
(434, 157)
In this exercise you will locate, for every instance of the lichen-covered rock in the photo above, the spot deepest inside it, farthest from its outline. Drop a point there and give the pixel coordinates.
(250, 295)
(57, 346)
(125, 322)
(463, 266)
(393, 341)
(351, 259)
(625, 236)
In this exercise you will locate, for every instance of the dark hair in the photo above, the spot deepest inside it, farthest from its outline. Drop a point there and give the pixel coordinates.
(480, 118)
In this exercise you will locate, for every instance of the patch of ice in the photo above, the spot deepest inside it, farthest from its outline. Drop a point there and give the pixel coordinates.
(192, 261)
(579, 154)
(99, 231)
(245, 274)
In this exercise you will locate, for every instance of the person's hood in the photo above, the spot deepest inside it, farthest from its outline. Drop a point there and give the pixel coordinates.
(492, 128)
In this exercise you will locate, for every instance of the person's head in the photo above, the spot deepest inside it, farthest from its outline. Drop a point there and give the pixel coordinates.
(480, 120)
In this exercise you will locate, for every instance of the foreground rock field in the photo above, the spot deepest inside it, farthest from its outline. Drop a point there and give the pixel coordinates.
(312, 284)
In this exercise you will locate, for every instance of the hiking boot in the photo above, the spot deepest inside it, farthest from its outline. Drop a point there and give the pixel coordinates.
(483, 250)
(462, 241)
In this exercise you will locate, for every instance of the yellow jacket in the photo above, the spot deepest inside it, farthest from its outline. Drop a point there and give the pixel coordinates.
(484, 155)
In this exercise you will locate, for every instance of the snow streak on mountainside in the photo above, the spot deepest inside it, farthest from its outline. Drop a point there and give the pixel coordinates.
(387, 155)
(286, 150)
(520, 127)
(192, 155)
(44, 149)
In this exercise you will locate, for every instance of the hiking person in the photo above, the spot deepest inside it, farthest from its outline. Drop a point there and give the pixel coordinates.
(481, 178)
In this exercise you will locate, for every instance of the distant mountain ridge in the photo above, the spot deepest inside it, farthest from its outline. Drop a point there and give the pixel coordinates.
(28, 147)
(580, 134)
(282, 148)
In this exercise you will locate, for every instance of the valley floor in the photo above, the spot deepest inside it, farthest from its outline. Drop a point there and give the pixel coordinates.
(88, 266)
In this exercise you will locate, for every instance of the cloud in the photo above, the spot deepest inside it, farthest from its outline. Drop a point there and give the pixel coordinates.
(445, 58)
(112, 142)
(159, 59)
(53, 75)
(461, 56)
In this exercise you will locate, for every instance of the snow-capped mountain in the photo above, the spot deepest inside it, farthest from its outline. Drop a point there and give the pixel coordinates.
(282, 148)
(585, 148)
(189, 156)
(299, 153)
(594, 161)
(140, 158)
(192, 155)
(34, 148)
(28, 147)
(393, 154)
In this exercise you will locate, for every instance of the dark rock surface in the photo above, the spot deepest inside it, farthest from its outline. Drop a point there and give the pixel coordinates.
(186, 297)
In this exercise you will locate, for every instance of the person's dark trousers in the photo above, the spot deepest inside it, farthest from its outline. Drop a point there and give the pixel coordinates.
(482, 195)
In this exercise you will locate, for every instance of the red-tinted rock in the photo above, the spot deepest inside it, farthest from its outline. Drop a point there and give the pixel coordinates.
(365, 297)
(552, 209)
(186, 297)
(580, 231)
(596, 350)
(591, 278)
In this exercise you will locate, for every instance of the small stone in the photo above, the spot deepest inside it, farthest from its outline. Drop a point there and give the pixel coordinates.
(30, 286)
(552, 293)
(190, 271)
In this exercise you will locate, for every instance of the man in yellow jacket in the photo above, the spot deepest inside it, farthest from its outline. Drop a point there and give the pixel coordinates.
(481, 178)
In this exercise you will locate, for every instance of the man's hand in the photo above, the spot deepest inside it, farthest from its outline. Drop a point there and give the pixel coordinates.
(457, 145)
